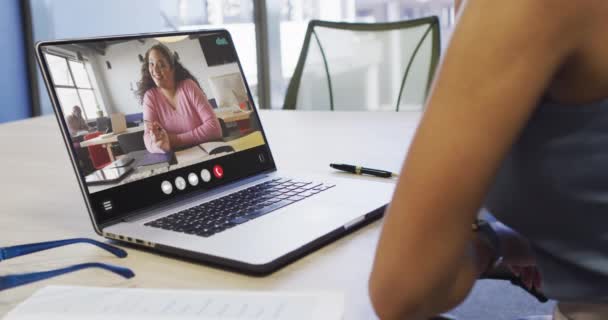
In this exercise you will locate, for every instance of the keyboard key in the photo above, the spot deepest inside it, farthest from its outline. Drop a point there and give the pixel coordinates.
(307, 193)
(267, 209)
(223, 213)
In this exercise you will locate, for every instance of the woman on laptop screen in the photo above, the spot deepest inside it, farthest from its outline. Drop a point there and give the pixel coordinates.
(177, 112)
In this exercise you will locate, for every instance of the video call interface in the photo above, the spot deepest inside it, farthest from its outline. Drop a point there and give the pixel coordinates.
(139, 108)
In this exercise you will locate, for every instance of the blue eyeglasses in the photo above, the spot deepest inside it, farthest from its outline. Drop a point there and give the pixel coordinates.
(15, 280)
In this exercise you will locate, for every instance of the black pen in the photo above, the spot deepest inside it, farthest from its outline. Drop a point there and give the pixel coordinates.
(362, 170)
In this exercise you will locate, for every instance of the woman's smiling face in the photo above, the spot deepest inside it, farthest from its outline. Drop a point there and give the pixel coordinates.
(161, 70)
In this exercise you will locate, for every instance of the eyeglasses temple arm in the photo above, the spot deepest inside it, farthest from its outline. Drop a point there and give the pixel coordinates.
(20, 250)
(11, 281)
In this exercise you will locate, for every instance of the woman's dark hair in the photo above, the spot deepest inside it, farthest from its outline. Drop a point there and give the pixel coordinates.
(146, 82)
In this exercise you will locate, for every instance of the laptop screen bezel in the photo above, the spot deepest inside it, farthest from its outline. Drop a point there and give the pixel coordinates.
(59, 115)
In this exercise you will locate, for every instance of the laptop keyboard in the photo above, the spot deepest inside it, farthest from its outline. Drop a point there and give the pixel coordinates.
(223, 213)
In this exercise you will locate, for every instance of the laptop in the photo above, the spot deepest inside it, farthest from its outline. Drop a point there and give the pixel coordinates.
(232, 210)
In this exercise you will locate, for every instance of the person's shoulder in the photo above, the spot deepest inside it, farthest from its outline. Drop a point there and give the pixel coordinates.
(564, 12)
(189, 84)
(191, 88)
(539, 21)
(151, 94)
(545, 5)
(150, 98)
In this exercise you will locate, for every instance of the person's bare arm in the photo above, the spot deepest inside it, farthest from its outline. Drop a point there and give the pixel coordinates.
(502, 58)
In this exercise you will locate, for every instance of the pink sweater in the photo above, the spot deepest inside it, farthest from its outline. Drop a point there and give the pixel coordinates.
(192, 122)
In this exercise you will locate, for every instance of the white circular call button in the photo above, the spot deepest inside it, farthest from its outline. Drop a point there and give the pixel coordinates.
(167, 187)
(205, 175)
(180, 183)
(193, 179)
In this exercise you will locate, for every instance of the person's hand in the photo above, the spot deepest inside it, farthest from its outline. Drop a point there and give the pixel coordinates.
(529, 275)
(160, 137)
(518, 256)
(516, 248)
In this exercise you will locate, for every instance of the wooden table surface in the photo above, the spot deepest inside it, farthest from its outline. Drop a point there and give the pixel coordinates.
(41, 201)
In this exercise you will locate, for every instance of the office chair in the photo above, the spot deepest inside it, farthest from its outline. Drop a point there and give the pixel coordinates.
(130, 142)
(225, 131)
(103, 124)
(98, 154)
(365, 66)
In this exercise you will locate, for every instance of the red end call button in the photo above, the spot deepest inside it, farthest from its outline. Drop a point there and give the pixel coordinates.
(218, 171)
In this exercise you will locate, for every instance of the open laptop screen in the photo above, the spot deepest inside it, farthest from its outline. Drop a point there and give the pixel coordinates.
(153, 117)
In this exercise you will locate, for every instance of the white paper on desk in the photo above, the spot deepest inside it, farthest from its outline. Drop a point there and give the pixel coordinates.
(89, 303)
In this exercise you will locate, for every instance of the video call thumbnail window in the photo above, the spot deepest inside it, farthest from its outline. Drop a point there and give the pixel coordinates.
(142, 107)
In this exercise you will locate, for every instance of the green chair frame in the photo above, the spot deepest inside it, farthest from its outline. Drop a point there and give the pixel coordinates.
(433, 30)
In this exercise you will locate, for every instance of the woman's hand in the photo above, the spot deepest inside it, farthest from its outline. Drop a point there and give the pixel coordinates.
(516, 248)
(529, 275)
(518, 256)
(160, 136)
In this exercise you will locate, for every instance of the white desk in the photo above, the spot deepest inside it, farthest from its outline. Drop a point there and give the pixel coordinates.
(109, 139)
(41, 201)
(233, 115)
(187, 157)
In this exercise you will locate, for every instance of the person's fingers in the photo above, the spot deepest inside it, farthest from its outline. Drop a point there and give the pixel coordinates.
(524, 275)
(164, 146)
(160, 132)
(158, 126)
(515, 269)
(529, 275)
(537, 279)
(154, 135)
(152, 126)
(532, 277)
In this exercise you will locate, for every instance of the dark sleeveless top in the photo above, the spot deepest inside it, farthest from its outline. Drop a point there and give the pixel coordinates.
(553, 189)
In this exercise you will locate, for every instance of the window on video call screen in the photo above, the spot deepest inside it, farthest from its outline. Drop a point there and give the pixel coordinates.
(150, 118)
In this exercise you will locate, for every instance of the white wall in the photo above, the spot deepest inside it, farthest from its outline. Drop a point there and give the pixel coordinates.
(120, 81)
(62, 19)
(78, 18)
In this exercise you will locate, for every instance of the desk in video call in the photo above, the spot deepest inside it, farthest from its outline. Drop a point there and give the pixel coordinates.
(186, 157)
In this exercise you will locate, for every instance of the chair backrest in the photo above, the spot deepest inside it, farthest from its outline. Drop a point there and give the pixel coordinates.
(130, 142)
(365, 66)
(99, 155)
(104, 124)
